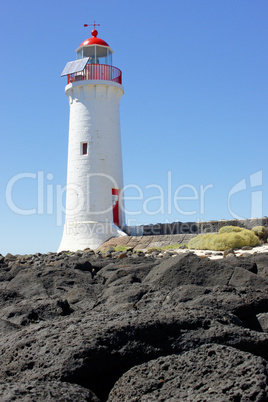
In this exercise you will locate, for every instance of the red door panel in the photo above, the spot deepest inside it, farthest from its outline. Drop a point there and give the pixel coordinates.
(115, 198)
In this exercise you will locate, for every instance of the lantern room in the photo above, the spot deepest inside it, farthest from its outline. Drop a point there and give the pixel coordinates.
(96, 49)
(94, 62)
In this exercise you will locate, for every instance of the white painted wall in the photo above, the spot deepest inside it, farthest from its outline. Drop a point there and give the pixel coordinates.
(95, 120)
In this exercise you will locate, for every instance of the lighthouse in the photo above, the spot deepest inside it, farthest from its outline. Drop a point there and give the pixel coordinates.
(94, 206)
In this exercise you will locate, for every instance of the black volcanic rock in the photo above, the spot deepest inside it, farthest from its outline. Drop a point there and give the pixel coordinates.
(67, 332)
(41, 391)
(197, 375)
(187, 269)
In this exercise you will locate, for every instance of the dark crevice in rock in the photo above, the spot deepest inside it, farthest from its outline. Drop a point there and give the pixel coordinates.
(228, 281)
(30, 318)
(83, 266)
(65, 307)
(131, 347)
(248, 314)
(101, 376)
(109, 367)
(255, 348)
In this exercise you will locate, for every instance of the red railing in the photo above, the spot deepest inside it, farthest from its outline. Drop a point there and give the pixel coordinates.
(97, 72)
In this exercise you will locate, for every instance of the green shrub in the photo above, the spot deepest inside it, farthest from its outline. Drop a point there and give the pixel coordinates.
(201, 242)
(227, 238)
(261, 232)
(230, 229)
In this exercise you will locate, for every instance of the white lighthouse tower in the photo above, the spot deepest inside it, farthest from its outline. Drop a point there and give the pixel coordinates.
(94, 208)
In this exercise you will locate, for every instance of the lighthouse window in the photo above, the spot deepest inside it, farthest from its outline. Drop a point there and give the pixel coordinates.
(84, 148)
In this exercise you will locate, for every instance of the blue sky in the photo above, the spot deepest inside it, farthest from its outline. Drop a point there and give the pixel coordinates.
(193, 117)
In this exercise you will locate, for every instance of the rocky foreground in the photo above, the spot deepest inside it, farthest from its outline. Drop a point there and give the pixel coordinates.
(130, 327)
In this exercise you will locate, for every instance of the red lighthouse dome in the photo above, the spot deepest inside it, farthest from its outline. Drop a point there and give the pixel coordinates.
(93, 40)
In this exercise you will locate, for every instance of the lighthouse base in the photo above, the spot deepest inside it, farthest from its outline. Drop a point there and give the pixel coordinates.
(82, 235)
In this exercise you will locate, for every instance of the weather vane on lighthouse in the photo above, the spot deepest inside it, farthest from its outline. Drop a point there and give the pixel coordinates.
(92, 25)
(94, 206)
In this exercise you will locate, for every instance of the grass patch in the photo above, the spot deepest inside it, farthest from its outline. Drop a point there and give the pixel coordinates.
(168, 247)
(121, 248)
(174, 246)
(228, 237)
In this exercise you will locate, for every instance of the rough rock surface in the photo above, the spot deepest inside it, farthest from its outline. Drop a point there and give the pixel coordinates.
(84, 325)
(192, 376)
(45, 391)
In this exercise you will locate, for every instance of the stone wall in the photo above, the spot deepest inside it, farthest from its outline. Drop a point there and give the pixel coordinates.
(191, 227)
(146, 242)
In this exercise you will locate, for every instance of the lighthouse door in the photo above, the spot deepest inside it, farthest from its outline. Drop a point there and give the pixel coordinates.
(115, 198)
